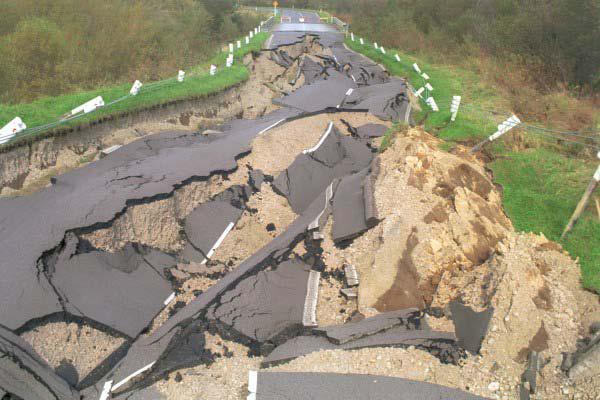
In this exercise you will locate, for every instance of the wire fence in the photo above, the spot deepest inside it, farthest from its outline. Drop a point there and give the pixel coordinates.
(587, 138)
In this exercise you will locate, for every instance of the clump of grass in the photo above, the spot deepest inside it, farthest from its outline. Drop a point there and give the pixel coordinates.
(390, 136)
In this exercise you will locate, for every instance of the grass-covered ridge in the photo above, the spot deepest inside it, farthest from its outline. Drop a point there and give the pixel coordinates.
(542, 185)
(198, 82)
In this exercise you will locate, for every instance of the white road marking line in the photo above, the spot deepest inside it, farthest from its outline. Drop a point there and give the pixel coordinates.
(309, 316)
(316, 147)
(271, 126)
(105, 390)
(328, 197)
(169, 299)
(252, 381)
(220, 240)
(130, 377)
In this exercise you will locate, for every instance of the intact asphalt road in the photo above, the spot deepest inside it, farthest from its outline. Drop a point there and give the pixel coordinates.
(291, 22)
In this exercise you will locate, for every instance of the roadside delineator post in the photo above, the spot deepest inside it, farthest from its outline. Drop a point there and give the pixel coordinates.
(135, 89)
(425, 76)
(362, 42)
(417, 69)
(504, 127)
(90, 106)
(383, 50)
(431, 102)
(352, 36)
(454, 107)
(429, 87)
(398, 58)
(231, 47)
(181, 76)
(375, 45)
(11, 129)
(582, 205)
(213, 69)
(239, 44)
(247, 40)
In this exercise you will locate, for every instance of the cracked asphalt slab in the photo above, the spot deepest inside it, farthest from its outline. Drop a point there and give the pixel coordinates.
(334, 156)
(401, 328)
(159, 353)
(23, 373)
(262, 302)
(93, 196)
(290, 386)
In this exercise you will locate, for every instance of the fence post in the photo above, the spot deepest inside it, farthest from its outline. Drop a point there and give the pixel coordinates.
(581, 206)
(502, 129)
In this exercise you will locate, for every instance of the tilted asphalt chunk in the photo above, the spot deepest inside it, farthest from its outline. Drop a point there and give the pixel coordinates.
(354, 209)
(204, 226)
(92, 196)
(388, 101)
(362, 70)
(439, 343)
(267, 304)
(313, 71)
(166, 349)
(25, 375)
(312, 172)
(369, 131)
(307, 385)
(471, 326)
(321, 95)
(340, 334)
(121, 290)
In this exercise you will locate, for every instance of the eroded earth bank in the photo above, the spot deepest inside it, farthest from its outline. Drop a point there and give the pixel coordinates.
(248, 246)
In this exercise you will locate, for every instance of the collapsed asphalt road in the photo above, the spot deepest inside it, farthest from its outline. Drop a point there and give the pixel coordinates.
(267, 302)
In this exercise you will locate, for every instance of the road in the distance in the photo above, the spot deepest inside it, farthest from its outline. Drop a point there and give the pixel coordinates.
(291, 21)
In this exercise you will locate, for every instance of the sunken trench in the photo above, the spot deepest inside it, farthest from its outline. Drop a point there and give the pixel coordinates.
(290, 243)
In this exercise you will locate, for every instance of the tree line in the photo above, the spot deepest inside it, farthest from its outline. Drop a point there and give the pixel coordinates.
(50, 47)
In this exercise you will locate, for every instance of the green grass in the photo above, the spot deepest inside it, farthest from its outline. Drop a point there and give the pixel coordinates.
(541, 186)
(198, 82)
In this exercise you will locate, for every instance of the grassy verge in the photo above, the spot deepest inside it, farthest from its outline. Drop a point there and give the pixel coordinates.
(541, 185)
(198, 82)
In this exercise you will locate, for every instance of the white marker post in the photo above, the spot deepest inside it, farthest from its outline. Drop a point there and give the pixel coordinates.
(398, 58)
(352, 36)
(255, 31)
(251, 34)
(231, 47)
(181, 76)
(229, 60)
(213, 69)
(90, 106)
(247, 40)
(454, 107)
(432, 104)
(429, 87)
(419, 93)
(376, 46)
(502, 129)
(239, 44)
(11, 129)
(383, 50)
(135, 89)
(417, 69)
(425, 76)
